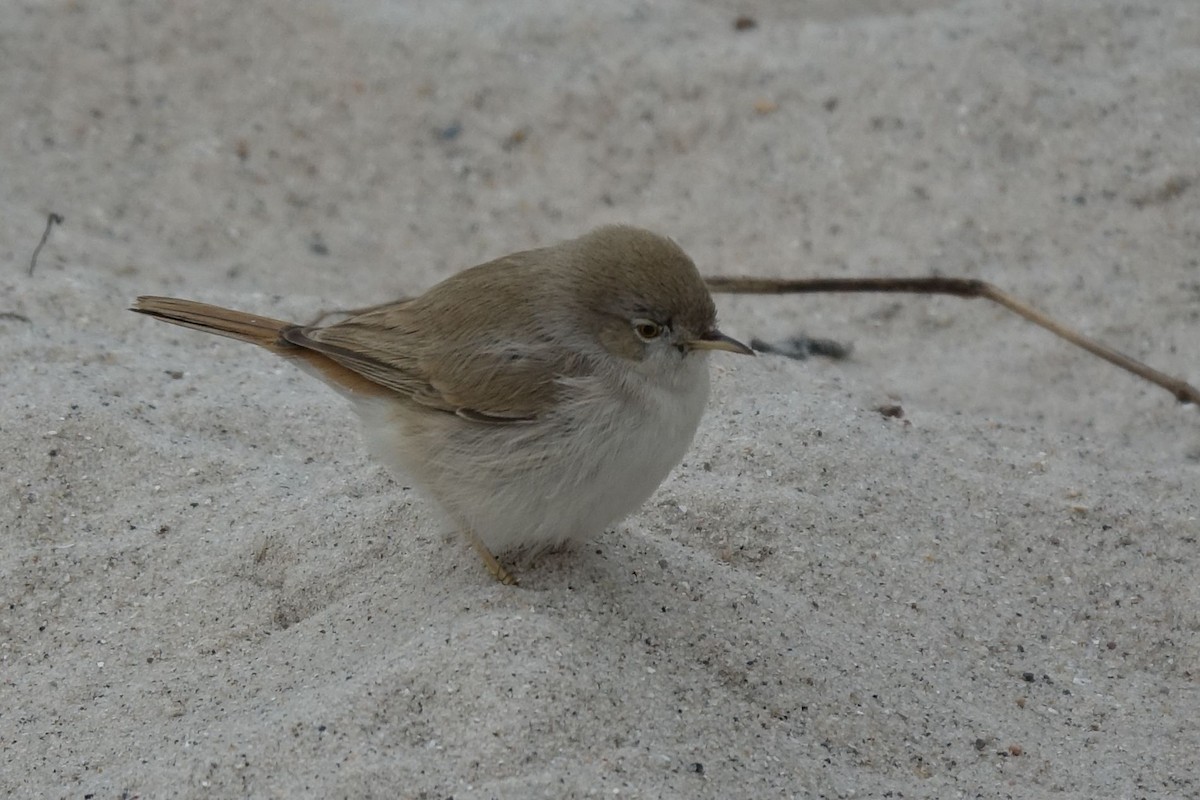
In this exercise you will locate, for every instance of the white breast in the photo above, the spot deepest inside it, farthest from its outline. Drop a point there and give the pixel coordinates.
(565, 477)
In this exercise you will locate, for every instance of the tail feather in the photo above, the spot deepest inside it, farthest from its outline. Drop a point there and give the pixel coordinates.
(262, 331)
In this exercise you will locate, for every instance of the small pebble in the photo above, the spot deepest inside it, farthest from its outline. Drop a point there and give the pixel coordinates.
(892, 411)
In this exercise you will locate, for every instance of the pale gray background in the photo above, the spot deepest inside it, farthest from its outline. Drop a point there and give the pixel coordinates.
(209, 590)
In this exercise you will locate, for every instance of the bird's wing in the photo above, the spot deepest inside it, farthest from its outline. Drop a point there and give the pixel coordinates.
(448, 370)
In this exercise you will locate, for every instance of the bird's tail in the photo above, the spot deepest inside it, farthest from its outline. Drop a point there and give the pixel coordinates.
(262, 331)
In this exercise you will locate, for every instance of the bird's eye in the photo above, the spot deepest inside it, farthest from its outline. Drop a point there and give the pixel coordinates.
(647, 329)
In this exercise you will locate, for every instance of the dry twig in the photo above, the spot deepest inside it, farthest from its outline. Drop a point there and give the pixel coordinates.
(51, 220)
(959, 287)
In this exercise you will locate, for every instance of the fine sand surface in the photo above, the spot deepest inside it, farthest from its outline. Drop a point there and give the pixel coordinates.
(210, 590)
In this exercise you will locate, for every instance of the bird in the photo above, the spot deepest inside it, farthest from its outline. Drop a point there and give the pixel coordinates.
(536, 399)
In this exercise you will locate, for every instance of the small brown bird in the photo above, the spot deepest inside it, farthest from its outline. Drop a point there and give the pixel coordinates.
(536, 398)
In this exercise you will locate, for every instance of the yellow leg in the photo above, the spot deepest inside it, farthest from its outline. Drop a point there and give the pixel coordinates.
(495, 567)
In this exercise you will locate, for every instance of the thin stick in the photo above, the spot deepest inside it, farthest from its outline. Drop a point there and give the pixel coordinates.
(959, 287)
(52, 220)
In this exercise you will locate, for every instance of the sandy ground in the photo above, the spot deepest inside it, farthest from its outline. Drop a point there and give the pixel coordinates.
(209, 589)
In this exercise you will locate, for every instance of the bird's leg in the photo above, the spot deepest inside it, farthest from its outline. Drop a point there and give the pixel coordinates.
(493, 565)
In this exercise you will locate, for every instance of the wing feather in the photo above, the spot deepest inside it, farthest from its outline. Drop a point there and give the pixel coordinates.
(488, 362)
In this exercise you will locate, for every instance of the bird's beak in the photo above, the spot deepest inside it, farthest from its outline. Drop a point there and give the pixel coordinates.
(715, 340)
